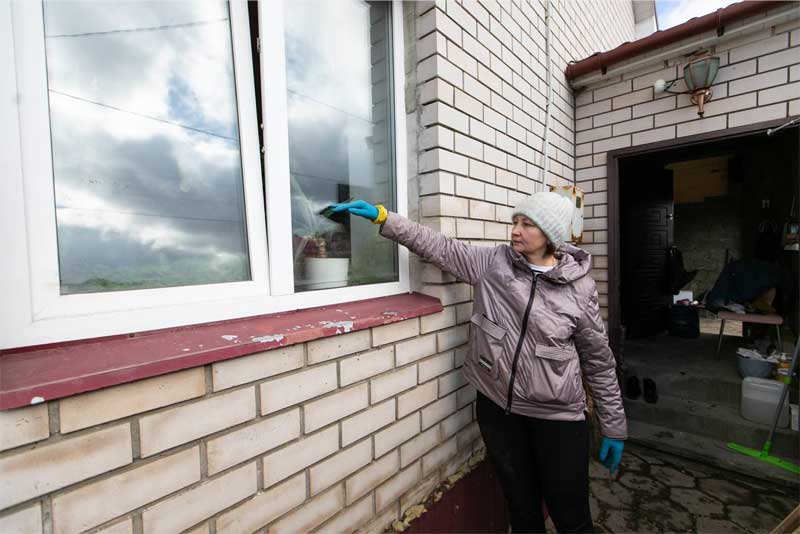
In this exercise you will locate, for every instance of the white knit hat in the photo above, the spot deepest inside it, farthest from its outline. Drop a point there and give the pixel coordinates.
(551, 212)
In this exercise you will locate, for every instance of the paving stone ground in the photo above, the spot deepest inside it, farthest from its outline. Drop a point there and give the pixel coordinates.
(658, 492)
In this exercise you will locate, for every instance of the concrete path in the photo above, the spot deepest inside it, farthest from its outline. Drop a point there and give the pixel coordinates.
(658, 492)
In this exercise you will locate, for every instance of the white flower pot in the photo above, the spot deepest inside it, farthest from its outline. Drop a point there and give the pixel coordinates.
(325, 273)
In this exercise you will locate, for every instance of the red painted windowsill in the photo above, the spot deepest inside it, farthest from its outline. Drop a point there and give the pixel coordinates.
(62, 369)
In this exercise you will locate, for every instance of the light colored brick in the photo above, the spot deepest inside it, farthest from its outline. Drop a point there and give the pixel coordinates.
(652, 136)
(466, 395)
(759, 48)
(794, 107)
(50, 467)
(736, 71)
(595, 133)
(494, 119)
(480, 170)
(469, 105)
(167, 429)
(368, 478)
(392, 489)
(437, 66)
(439, 456)
(702, 126)
(391, 384)
(299, 455)
(440, 113)
(781, 59)
(252, 440)
(328, 348)
(451, 382)
(451, 425)
(266, 506)
(442, 205)
(322, 412)
(436, 321)
(612, 143)
(433, 43)
(419, 492)
(255, 366)
(339, 466)
(779, 94)
(657, 106)
(647, 80)
(90, 505)
(89, 409)
(436, 136)
(436, 89)
(593, 109)
(448, 294)
(613, 90)
(636, 125)
(759, 81)
(751, 116)
(439, 410)
(189, 508)
(591, 173)
(466, 187)
(25, 521)
(382, 522)
(419, 347)
(366, 365)
(282, 392)
(391, 437)
(435, 19)
(368, 421)
(26, 425)
(452, 337)
(436, 182)
(416, 398)
(495, 194)
(611, 117)
(676, 116)
(126, 527)
(349, 519)
(469, 229)
(728, 105)
(495, 231)
(433, 367)
(468, 435)
(630, 99)
(390, 333)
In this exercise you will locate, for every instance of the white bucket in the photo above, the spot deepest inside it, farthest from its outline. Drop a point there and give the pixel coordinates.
(325, 273)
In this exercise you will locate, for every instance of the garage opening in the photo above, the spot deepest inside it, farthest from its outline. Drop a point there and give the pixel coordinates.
(707, 269)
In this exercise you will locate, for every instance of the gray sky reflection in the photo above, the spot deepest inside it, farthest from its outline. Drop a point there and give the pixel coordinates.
(145, 144)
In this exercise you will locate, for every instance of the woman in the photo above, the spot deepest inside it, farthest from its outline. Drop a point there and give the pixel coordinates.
(536, 332)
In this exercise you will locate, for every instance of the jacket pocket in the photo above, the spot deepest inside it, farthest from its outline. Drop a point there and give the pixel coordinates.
(553, 375)
(488, 344)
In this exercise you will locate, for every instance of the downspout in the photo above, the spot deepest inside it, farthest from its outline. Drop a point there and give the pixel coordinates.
(549, 99)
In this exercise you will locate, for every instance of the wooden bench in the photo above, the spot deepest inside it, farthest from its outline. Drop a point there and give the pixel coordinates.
(756, 318)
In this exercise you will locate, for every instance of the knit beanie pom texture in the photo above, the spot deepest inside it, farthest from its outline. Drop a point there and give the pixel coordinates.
(551, 212)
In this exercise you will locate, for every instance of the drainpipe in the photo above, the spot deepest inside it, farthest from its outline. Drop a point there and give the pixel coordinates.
(548, 109)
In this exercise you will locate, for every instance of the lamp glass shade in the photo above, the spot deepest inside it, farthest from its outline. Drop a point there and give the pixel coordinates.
(700, 74)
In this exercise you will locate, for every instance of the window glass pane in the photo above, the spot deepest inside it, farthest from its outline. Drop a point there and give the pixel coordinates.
(338, 63)
(145, 136)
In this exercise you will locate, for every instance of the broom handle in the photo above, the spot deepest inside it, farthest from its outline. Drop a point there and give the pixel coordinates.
(784, 392)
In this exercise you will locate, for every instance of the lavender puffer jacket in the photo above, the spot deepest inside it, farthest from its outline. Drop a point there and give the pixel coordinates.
(532, 337)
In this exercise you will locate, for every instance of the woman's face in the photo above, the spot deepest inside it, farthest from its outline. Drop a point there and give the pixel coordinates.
(526, 237)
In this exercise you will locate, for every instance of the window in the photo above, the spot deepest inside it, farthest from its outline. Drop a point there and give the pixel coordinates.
(135, 198)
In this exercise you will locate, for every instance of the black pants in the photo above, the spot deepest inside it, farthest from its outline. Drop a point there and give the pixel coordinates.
(537, 459)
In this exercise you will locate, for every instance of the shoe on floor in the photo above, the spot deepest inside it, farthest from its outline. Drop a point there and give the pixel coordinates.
(632, 388)
(650, 393)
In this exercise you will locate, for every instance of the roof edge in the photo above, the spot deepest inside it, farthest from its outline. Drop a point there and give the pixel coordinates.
(716, 20)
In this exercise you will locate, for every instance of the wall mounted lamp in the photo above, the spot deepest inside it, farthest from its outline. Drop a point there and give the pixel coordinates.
(699, 75)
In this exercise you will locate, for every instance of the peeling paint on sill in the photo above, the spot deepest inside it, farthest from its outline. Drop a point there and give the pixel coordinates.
(229, 337)
(267, 339)
(340, 326)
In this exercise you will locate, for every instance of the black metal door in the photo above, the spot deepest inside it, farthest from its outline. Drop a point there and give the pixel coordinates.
(647, 234)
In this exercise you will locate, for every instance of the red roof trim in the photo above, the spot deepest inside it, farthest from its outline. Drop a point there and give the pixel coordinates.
(716, 20)
(58, 370)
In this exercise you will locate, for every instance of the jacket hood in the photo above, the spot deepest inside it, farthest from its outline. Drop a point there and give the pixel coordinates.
(573, 263)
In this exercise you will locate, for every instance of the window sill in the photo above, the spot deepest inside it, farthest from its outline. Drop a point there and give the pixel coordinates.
(32, 375)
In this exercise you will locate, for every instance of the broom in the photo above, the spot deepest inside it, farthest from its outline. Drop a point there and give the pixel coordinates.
(764, 454)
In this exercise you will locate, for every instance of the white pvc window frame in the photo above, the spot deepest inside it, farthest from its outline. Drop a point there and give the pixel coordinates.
(32, 310)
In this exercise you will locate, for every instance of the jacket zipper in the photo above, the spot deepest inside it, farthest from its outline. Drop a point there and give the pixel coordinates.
(519, 342)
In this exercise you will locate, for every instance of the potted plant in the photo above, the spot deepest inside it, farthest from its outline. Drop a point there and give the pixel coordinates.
(314, 234)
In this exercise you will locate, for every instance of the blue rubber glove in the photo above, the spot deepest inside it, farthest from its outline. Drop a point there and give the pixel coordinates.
(611, 453)
(359, 207)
